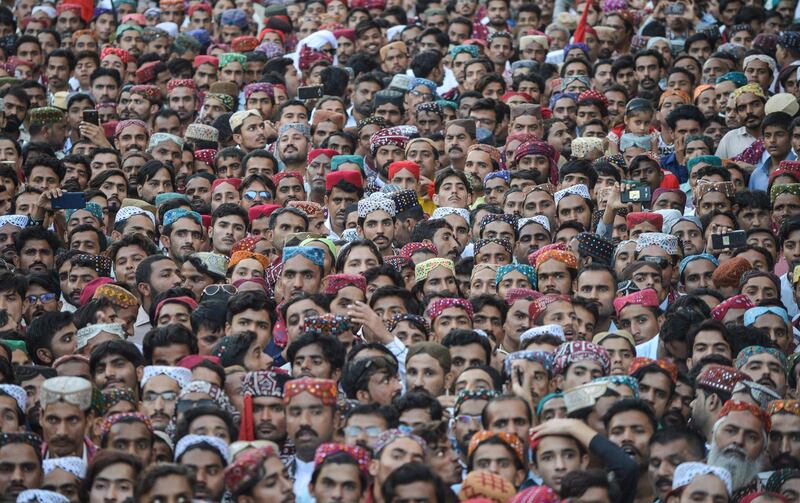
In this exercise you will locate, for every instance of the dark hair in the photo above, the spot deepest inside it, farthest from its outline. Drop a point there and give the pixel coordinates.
(694, 440)
(139, 240)
(628, 404)
(408, 474)
(425, 63)
(779, 119)
(480, 301)
(357, 373)
(344, 252)
(686, 112)
(332, 349)
(49, 162)
(150, 169)
(168, 335)
(576, 483)
(36, 232)
(464, 337)
(340, 458)
(101, 237)
(426, 229)
(409, 302)
(145, 267)
(41, 331)
(255, 300)
(106, 72)
(182, 428)
(125, 349)
(106, 458)
(233, 349)
(505, 397)
(148, 478)
(419, 400)
(387, 412)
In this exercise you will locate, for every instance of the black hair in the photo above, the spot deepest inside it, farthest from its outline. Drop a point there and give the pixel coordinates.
(36, 233)
(629, 404)
(480, 301)
(233, 349)
(387, 412)
(332, 349)
(255, 300)
(419, 400)
(408, 474)
(686, 112)
(409, 302)
(694, 440)
(168, 335)
(41, 331)
(49, 162)
(182, 428)
(102, 241)
(464, 337)
(779, 119)
(576, 483)
(125, 349)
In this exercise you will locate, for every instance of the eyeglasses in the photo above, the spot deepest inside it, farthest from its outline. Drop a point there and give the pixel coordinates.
(212, 290)
(252, 195)
(371, 431)
(167, 396)
(467, 419)
(661, 262)
(184, 405)
(43, 298)
(420, 94)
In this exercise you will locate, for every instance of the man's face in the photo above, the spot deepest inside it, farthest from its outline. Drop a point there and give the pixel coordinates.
(309, 423)
(784, 442)
(631, 431)
(184, 101)
(656, 389)
(766, 369)
(664, 458)
(20, 469)
(159, 396)
(269, 416)
(424, 372)
(598, 286)
(115, 372)
(209, 473)
(226, 231)
(740, 436)
(186, 238)
(750, 110)
(133, 438)
(555, 457)
(640, 321)
(468, 355)
(63, 426)
(379, 227)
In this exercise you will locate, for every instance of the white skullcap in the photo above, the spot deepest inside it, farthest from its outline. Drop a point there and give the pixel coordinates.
(189, 441)
(17, 393)
(70, 464)
(685, 473)
(182, 376)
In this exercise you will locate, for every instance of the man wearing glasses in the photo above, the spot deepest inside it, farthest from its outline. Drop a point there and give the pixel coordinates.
(161, 386)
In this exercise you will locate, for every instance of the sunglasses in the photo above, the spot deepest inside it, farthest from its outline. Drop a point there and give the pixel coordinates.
(215, 289)
(252, 195)
(184, 405)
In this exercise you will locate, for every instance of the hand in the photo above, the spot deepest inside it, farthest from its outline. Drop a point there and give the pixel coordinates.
(575, 428)
(521, 381)
(424, 183)
(45, 203)
(94, 134)
(372, 325)
(680, 149)
(710, 246)
(270, 130)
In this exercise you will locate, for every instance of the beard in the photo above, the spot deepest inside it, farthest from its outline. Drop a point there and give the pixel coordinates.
(734, 459)
(12, 124)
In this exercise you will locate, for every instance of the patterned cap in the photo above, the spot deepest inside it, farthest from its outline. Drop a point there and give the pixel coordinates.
(150, 92)
(387, 136)
(360, 454)
(785, 406)
(324, 389)
(523, 269)
(751, 351)
(534, 332)
(214, 262)
(539, 306)
(536, 219)
(423, 269)
(575, 351)
(16, 392)
(787, 188)
(593, 245)
(404, 200)
(113, 419)
(73, 390)
(505, 243)
(246, 469)
(465, 395)
(234, 17)
(312, 253)
(511, 440)
(584, 396)
(574, 190)
(410, 166)
(190, 441)
(635, 218)
(259, 87)
(685, 473)
(21, 438)
(565, 257)
(738, 406)
(544, 358)
(503, 174)
(158, 138)
(703, 187)
(335, 282)
(376, 202)
(176, 214)
(89, 332)
(730, 272)
(328, 324)
(20, 221)
(240, 255)
(666, 242)
(485, 485)
(40, 496)
(70, 464)
(437, 306)
(740, 301)
(180, 375)
(122, 54)
(201, 132)
(244, 43)
(700, 256)
(46, 116)
(238, 118)
(720, 378)
(227, 101)
(647, 298)
(268, 383)
(640, 363)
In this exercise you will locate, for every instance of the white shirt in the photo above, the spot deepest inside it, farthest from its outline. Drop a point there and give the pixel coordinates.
(787, 296)
(649, 349)
(302, 477)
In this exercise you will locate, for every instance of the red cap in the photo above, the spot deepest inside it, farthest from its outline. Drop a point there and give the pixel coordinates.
(411, 166)
(351, 177)
(262, 210)
(236, 182)
(88, 291)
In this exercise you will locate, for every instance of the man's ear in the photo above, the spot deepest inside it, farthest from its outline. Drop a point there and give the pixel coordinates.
(363, 396)
(584, 461)
(237, 138)
(44, 355)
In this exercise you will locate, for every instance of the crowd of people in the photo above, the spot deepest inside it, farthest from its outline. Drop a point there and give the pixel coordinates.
(394, 251)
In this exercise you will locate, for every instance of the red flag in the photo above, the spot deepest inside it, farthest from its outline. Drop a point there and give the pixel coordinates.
(580, 31)
(87, 9)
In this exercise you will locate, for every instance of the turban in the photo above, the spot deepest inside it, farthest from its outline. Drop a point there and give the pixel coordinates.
(523, 269)
(738, 406)
(338, 160)
(700, 256)
(361, 455)
(437, 306)
(113, 419)
(738, 78)
(665, 366)
(537, 219)
(740, 301)
(122, 54)
(176, 214)
(118, 296)
(592, 245)
(227, 101)
(313, 254)
(324, 389)
(730, 272)
(538, 147)
(646, 298)
(314, 153)
(751, 351)
(565, 257)
(259, 87)
(335, 282)
(310, 208)
(423, 269)
(575, 351)
(244, 43)
(190, 441)
(749, 88)
(504, 175)
(510, 439)
(410, 166)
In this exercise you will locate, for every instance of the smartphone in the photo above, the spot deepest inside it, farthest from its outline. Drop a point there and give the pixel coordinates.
(638, 194)
(91, 117)
(735, 239)
(69, 201)
(309, 92)
(676, 9)
(8, 164)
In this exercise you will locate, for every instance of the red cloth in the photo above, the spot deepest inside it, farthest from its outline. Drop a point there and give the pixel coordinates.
(351, 177)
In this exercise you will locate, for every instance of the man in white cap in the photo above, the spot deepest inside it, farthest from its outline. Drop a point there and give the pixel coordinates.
(66, 403)
(12, 405)
(161, 386)
(694, 481)
(64, 476)
(10, 227)
(248, 131)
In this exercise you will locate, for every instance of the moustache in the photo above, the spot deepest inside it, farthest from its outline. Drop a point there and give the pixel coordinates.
(663, 481)
(306, 429)
(750, 117)
(630, 449)
(785, 460)
(735, 449)
(12, 124)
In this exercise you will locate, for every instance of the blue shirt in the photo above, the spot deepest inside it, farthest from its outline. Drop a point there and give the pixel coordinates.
(759, 179)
